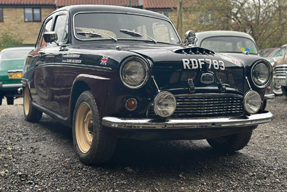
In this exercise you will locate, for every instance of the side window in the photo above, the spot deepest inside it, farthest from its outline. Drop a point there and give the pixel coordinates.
(46, 28)
(61, 28)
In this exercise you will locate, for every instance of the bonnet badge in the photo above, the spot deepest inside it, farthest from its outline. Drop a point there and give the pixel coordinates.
(207, 78)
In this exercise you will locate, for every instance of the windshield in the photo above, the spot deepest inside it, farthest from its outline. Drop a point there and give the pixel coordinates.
(15, 54)
(229, 44)
(283, 51)
(101, 26)
(276, 53)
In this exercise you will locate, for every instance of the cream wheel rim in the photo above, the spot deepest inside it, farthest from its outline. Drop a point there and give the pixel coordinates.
(26, 101)
(84, 127)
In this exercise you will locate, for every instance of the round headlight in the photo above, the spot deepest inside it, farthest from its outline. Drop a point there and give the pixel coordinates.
(164, 104)
(260, 74)
(134, 72)
(252, 102)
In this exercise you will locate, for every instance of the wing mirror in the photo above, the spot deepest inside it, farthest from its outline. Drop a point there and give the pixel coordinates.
(50, 37)
(190, 38)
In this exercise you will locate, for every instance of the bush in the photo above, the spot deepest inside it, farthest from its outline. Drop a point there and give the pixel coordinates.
(8, 40)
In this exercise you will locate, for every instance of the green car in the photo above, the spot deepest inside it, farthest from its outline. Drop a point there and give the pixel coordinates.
(11, 67)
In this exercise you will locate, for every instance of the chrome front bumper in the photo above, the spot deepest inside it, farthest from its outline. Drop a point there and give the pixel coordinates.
(7, 86)
(195, 123)
(269, 96)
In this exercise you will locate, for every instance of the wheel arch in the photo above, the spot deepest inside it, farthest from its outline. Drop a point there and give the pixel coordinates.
(78, 88)
(96, 84)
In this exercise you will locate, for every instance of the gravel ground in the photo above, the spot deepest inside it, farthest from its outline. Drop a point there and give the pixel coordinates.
(40, 157)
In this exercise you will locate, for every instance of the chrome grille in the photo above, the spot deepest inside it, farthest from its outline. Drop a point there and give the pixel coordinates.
(280, 70)
(198, 105)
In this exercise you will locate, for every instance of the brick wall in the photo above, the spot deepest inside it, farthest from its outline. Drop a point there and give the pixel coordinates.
(15, 25)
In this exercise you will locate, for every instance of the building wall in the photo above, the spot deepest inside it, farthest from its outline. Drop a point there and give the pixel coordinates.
(14, 24)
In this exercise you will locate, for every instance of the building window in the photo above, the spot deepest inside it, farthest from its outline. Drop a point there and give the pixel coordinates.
(206, 18)
(32, 14)
(1, 14)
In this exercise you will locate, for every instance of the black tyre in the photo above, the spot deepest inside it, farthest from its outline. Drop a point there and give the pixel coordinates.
(1, 97)
(284, 91)
(10, 100)
(31, 114)
(92, 145)
(230, 143)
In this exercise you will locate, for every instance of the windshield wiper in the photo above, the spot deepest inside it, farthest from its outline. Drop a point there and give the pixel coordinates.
(135, 34)
(131, 33)
(93, 34)
(90, 33)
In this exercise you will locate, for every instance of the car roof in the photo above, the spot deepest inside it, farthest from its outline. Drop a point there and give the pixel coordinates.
(16, 48)
(109, 8)
(205, 34)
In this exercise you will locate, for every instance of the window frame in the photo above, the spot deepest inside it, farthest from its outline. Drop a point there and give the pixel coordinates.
(40, 36)
(33, 19)
(66, 24)
(1, 15)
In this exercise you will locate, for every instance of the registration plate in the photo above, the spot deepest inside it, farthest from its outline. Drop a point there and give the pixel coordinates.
(280, 82)
(15, 75)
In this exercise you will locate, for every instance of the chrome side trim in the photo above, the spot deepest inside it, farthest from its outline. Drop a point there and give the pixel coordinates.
(192, 123)
(93, 77)
(18, 85)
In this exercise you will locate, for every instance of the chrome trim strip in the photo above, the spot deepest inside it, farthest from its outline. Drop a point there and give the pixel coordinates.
(93, 77)
(195, 123)
(15, 71)
(18, 85)
(269, 96)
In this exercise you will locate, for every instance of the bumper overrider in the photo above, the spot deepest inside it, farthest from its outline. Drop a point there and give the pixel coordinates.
(188, 123)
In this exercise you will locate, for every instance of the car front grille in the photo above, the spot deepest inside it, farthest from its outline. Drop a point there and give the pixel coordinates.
(198, 105)
(280, 70)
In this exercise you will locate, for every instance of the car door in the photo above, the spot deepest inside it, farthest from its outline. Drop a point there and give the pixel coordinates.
(63, 91)
(46, 72)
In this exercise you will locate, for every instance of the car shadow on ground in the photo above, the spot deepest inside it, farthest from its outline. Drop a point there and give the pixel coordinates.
(154, 157)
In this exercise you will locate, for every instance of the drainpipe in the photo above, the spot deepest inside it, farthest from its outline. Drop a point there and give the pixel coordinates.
(130, 3)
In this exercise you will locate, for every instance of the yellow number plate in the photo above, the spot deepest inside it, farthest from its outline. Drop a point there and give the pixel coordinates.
(15, 75)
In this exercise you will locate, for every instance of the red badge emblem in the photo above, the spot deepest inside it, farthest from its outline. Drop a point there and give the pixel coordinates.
(104, 60)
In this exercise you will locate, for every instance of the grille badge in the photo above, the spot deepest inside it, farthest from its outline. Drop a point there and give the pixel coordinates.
(207, 78)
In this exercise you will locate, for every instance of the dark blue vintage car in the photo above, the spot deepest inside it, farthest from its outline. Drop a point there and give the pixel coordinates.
(115, 72)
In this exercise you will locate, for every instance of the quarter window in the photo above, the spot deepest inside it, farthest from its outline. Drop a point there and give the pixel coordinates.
(1, 14)
(47, 28)
(32, 14)
(61, 28)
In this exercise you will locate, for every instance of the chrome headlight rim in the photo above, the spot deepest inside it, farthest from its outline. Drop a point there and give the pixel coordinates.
(269, 78)
(145, 65)
(245, 102)
(155, 105)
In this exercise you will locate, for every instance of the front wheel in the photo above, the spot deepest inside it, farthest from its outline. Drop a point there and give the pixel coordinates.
(31, 114)
(284, 91)
(92, 145)
(230, 143)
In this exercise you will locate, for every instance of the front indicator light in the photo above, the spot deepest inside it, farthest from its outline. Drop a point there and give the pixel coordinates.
(131, 104)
